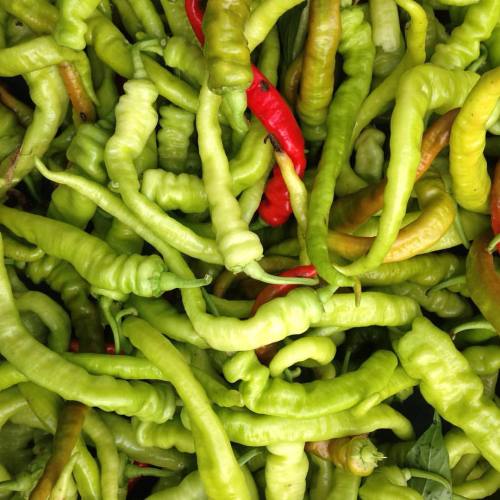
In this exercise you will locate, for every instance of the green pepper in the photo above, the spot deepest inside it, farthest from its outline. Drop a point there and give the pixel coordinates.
(49, 95)
(218, 468)
(439, 90)
(70, 29)
(462, 48)
(471, 182)
(428, 354)
(250, 429)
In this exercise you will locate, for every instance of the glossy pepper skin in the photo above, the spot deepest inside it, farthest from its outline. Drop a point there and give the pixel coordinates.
(219, 470)
(73, 383)
(223, 25)
(49, 95)
(428, 354)
(483, 280)
(468, 168)
(440, 90)
(462, 48)
(90, 256)
(316, 85)
(358, 50)
(250, 429)
(70, 29)
(269, 107)
(275, 396)
(350, 211)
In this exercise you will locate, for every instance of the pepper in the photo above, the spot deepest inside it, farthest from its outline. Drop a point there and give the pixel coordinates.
(483, 280)
(443, 303)
(462, 48)
(17, 346)
(22, 111)
(177, 126)
(391, 482)
(351, 211)
(49, 95)
(240, 248)
(345, 485)
(306, 400)
(250, 429)
(488, 484)
(93, 258)
(125, 146)
(356, 454)
(177, 20)
(272, 291)
(321, 477)
(39, 16)
(357, 48)
(318, 64)
(484, 360)
(286, 471)
(468, 169)
(428, 354)
(167, 435)
(67, 433)
(384, 93)
(126, 442)
(218, 468)
(268, 106)
(149, 18)
(52, 315)
(440, 90)
(438, 214)
(70, 29)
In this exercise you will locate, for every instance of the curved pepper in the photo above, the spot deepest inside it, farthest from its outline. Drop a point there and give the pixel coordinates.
(92, 258)
(269, 107)
(49, 95)
(437, 216)
(250, 429)
(468, 168)
(357, 48)
(428, 354)
(306, 400)
(53, 372)
(462, 48)
(483, 280)
(218, 467)
(318, 64)
(422, 89)
(352, 210)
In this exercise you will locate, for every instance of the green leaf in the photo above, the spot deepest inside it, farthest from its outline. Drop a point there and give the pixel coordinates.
(292, 27)
(429, 454)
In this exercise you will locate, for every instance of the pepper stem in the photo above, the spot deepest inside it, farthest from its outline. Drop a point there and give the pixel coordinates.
(255, 271)
(422, 474)
(170, 281)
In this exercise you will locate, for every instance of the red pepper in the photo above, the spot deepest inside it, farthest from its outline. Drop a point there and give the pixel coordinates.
(267, 352)
(267, 104)
(495, 202)
(195, 16)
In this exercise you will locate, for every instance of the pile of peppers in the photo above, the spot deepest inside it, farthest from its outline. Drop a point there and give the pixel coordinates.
(249, 249)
